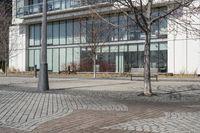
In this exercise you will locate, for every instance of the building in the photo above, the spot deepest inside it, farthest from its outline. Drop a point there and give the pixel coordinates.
(68, 38)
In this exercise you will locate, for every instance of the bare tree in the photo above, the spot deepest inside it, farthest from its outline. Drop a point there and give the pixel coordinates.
(5, 22)
(143, 17)
(97, 34)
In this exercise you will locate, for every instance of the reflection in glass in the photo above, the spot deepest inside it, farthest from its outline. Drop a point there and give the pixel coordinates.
(56, 33)
(69, 32)
(62, 59)
(62, 32)
(49, 34)
(55, 60)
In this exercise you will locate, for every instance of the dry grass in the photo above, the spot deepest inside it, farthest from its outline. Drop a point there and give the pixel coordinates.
(98, 75)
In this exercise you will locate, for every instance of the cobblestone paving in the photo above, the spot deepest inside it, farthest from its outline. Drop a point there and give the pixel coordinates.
(172, 122)
(26, 111)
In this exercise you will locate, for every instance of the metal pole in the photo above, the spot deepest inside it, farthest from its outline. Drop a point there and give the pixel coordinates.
(43, 82)
(35, 71)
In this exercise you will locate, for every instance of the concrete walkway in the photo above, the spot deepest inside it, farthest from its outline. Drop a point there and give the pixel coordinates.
(100, 106)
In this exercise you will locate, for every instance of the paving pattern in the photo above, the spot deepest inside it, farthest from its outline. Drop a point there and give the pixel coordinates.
(26, 110)
(172, 122)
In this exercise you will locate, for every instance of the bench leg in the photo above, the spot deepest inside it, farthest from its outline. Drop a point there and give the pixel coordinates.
(131, 78)
(157, 78)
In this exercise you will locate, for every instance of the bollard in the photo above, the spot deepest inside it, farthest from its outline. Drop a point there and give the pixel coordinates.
(35, 71)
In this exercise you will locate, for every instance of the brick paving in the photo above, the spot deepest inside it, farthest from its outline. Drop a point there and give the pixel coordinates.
(82, 109)
(26, 110)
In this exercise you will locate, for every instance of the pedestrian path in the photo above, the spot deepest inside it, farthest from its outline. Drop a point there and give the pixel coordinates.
(27, 110)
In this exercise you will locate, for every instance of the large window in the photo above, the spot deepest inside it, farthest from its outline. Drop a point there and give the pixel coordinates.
(31, 35)
(31, 58)
(62, 59)
(134, 32)
(62, 32)
(89, 33)
(69, 57)
(49, 59)
(114, 59)
(114, 28)
(83, 30)
(163, 25)
(140, 55)
(49, 34)
(69, 32)
(122, 27)
(34, 35)
(105, 64)
(37, 34)
(133, 56)
(76, 59)
(55, 60)
(77, 29)
(55, 33)
(163, 57)
(154, 55)
(37, 58)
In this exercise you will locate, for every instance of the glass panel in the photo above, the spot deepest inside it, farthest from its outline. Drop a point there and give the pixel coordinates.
(122, 27)
(155, 26)
(62, 33)
(49, 34)
(49, 59)
(68, 3)
(163, 57)
(89, 31)
(69, 57)
(83, 31)
(69, 32)
(123, 48)
(75, 3)
(97, 30)
(63, 4)
(106, 29)
(62, 59)
(163, 24)
(31, 58)
(114, 28)
(103, 60)
(133, 55)
(154, 55)
(133, 47)
(76, 31)
(31, 35)
(105, 49)
(19, 5)
(141, 55)
(133, 30)
(76, 59)
(57, 5)
(86, 63)
(37, 58)
(114, 59)
(55, 60)
(55, 33)
(37, 34)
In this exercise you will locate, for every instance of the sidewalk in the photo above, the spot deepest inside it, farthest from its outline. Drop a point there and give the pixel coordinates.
(98, 106)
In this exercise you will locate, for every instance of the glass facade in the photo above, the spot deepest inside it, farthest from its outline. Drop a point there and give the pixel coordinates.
(68, 44)
(35, 6)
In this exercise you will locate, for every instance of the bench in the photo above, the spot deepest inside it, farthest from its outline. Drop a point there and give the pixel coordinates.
(139, 72)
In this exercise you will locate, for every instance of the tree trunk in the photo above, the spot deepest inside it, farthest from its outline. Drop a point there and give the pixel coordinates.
(94, 67)
(147, 72)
